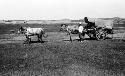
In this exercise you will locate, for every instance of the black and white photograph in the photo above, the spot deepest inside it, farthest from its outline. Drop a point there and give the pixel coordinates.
(62, 37)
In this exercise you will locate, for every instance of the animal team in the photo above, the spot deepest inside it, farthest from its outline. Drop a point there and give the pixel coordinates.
(90, 29)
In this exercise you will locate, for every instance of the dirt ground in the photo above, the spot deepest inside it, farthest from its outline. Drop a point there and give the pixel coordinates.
(52, 37)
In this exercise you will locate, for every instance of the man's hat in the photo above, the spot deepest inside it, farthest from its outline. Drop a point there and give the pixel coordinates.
(80, 22)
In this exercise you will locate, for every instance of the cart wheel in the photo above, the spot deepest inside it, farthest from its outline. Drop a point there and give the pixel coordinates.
(100, 34)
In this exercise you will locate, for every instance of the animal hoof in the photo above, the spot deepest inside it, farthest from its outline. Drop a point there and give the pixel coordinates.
(41, 41)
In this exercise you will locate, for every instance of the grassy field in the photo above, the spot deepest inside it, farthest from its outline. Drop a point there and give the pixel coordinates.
(59, 57)
(90, 58)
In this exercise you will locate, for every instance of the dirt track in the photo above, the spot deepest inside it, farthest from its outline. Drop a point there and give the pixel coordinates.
(52, 37)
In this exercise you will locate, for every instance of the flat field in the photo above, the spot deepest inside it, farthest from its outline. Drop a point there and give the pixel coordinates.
(57, 56)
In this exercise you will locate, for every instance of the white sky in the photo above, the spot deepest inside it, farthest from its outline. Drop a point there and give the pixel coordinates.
(60, 9)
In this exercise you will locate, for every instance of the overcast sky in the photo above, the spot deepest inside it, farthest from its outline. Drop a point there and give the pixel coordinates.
(60, 9)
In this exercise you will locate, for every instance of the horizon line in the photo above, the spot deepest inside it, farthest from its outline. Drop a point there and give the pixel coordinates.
(60, 19)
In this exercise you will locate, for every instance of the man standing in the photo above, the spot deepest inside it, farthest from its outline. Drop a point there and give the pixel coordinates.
(81, 33)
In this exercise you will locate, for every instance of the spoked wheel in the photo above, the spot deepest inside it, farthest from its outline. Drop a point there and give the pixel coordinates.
(100, 34)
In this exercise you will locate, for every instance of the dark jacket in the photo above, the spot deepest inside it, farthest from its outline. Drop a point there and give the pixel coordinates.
(90, 25)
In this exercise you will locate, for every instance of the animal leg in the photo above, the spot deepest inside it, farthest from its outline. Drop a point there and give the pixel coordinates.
(70, 37)
(40, 38)
(28, 39)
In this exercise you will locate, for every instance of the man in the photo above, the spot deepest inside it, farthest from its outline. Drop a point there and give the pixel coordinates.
(81, 33)
(90, 25)
(87, 29)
